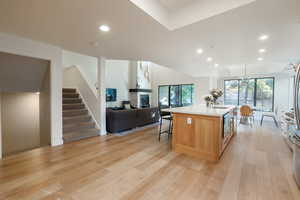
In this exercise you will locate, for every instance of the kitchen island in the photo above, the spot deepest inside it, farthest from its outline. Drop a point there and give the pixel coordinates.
(203, 132)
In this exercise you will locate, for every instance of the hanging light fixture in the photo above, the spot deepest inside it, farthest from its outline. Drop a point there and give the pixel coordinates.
(245, 78)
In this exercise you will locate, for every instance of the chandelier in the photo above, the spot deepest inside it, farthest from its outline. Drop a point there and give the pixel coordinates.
(245, 78)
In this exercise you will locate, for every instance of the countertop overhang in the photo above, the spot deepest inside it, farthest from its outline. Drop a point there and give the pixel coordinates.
(215, 111)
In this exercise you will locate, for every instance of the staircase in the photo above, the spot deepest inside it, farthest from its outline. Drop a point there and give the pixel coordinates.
(77, 123)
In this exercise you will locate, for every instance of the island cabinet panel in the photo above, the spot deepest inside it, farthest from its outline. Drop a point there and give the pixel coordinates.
(197, 135)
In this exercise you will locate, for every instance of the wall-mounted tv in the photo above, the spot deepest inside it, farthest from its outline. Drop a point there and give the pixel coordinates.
(111, 94)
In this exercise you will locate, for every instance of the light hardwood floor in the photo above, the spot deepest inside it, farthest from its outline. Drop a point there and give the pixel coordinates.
(257, 165)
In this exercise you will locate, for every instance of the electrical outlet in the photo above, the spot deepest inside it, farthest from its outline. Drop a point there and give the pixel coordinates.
(189, 120)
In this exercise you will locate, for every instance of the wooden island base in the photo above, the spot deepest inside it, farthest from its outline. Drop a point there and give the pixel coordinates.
(201, 136)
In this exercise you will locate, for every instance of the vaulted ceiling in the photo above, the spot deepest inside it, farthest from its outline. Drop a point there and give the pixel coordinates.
(175, 14)
(229, 36)
(175, 5)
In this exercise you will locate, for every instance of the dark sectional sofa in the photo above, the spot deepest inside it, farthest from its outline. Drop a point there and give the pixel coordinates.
(122, 120)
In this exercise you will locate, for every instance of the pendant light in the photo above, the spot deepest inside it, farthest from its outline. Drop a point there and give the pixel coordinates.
(245, 78)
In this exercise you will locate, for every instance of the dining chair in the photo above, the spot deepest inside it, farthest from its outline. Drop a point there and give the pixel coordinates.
(272, 115)
(247, 114)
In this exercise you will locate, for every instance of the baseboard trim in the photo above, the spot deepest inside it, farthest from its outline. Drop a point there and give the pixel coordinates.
(57, 142)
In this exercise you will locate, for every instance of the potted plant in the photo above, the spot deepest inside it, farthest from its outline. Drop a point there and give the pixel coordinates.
(208, 99)
(216, 93)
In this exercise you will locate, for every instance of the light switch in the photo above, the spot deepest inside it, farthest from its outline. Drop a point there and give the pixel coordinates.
(189, 120)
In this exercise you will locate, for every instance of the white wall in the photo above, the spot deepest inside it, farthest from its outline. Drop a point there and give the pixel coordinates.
(166, 76)
(26, 47)
(73, 78)
(117, 76)
(283, 92)
(140, 77)
(87, 65)
(122, 74)
(143, 70)
(89, 68)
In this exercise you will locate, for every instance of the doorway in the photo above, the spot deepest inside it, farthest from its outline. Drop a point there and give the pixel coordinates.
(24, 103)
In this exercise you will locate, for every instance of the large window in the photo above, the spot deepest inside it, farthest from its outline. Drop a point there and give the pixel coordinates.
(175, 95)
(257, 92)
(246, 92)
(265, 94)
(231, 94)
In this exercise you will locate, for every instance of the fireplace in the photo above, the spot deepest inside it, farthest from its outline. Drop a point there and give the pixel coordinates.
(144, 101)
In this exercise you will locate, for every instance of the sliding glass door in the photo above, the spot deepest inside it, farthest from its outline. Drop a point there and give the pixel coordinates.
(246, 92)
(231, 95)
(256, 92)
(265, 94)
(163, 93)
(187, 92)
(175, 95)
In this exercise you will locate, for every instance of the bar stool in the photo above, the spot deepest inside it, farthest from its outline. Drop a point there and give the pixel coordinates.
(165, 116)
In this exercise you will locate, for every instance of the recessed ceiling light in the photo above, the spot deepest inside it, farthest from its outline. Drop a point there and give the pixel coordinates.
(216, 65)
(209, 59)
(199, 51)
(104, 28)
(260, 59)
(263, 37)
(262, 51)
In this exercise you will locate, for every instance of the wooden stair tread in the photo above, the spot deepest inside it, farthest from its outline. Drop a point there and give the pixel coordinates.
(70, 95)
(78, 135)
(77, 122)
(80, 109)
(67, 90)
(83, 131)
(76, 117)
(72, 104)
(72, 98)
(74, 110)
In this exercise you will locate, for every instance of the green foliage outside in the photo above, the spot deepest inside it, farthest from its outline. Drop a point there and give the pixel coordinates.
(245, 91)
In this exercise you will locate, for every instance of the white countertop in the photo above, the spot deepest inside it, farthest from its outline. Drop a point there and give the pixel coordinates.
(202, 110)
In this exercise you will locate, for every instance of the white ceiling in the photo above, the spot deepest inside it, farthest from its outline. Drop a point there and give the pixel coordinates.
(175, 5)
(175, 14)
(229, 37)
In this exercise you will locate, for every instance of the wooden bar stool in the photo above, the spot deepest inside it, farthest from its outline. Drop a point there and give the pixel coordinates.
(165, 116)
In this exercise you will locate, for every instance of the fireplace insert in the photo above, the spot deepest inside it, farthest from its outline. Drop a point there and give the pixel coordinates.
(144, 100)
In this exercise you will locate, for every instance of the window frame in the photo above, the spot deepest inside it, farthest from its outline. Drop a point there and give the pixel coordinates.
(169, 93)
(255, 89)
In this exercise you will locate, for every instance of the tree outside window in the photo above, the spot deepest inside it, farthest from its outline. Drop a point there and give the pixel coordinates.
(258, 92)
